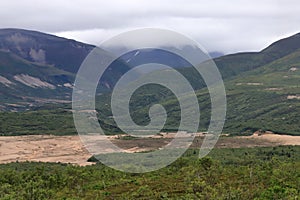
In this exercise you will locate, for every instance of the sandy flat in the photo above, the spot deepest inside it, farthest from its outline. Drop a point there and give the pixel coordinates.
(70, 149)
(67, 149)
(278, 139)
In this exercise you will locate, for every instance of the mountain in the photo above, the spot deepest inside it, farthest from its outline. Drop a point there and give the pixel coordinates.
(263, 93)
(36, 68)
(262, 87)
(43, 48)
(267, 98)
(234, 64)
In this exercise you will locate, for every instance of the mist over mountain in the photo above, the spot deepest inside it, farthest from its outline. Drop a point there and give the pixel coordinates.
(215, 54)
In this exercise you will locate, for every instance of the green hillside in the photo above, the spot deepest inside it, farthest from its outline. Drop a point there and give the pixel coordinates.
(266, 98)
(235, 64)
(262, 92)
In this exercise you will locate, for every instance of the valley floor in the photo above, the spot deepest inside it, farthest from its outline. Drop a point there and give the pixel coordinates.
(69, 149)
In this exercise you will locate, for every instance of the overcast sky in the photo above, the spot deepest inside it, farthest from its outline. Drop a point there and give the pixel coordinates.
(218, 25)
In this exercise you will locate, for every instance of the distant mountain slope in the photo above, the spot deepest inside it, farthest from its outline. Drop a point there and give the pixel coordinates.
(44, 48)
(284, 46)
(264, 98)
(263, 90)
(35, 66)
(22, 83)
(267, 98)
(234, 64)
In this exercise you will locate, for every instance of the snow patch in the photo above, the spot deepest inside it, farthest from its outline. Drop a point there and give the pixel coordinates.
(33, 81)
(107, 85)
(136, 53)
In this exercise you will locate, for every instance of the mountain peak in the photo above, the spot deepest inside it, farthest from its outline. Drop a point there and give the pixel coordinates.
(44, 48)
(284, 46)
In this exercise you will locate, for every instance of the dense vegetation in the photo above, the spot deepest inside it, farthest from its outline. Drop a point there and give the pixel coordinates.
(253, 173)
(53, 121)
(249, 108)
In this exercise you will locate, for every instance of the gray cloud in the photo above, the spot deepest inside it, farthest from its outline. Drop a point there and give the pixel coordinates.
(220, 25)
